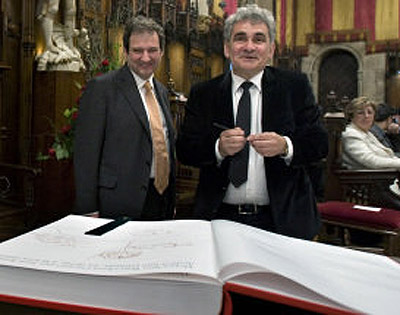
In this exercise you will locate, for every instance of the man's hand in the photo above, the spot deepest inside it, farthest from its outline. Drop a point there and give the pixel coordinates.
(394, 128)
(268, 144)
(231, 141)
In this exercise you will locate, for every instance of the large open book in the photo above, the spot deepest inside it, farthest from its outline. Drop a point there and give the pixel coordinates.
(181, 267)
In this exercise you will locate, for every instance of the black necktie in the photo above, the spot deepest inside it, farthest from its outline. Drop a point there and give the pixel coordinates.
(240, 161)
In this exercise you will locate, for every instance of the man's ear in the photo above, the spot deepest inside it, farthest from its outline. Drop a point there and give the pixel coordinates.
(271, 50)
(226, 50)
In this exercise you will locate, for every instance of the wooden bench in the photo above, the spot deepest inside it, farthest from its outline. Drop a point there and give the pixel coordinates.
(341, 218)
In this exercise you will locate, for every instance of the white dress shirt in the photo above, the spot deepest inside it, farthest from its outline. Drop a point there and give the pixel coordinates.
(254, 190)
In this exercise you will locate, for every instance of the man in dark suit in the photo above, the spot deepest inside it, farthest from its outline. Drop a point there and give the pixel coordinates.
(285, 135)
(384, 128)
(124, 146)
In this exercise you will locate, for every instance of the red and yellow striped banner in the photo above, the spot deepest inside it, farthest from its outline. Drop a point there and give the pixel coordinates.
(298, 19)
(364, 16)
(386, 19)
(323, 15)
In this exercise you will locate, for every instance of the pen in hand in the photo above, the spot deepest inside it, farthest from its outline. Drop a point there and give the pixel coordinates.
(223, 127)
(220, 126)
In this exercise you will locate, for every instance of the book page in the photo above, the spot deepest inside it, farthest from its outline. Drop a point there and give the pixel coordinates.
(180, 248)
(358, 280)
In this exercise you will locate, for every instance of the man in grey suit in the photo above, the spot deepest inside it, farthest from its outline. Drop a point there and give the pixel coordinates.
(117, 170)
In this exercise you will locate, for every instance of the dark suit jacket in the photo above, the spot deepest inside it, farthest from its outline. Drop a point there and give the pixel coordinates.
(113, 147)
(381, 136)
(288, 109)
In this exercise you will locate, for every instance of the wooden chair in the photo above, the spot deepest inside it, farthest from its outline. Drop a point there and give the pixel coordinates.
(346, 188)
(186, 184)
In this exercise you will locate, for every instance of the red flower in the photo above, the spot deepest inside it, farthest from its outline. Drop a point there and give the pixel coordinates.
(74, 115)
(52, 152)
(65, 129)
(105, 63)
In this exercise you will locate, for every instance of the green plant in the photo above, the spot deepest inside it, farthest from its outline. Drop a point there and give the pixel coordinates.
(63, 144)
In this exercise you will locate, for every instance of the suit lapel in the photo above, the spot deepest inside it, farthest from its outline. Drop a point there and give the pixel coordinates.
(226, 109)
(268, 84)
(129, 89)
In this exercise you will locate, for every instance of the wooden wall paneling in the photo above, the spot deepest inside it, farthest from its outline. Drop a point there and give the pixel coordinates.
(393, 91)
(176, 57)
(2, 21)
(26, 74)
(6, 122)
(10, 80)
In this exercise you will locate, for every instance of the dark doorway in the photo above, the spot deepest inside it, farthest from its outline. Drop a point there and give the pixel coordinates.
(337, 73)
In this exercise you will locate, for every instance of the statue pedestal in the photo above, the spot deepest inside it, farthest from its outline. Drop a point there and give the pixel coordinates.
(53, 92)
(54, 192)
(73, 66)
(54, 188)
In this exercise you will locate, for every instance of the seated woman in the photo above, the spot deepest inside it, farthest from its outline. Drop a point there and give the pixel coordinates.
(361, 149)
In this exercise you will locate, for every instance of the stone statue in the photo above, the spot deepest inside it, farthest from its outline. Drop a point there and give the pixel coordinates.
(60, 52)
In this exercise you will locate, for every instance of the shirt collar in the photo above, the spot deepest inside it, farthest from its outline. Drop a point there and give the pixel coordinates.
(237, 80)
(140, 82)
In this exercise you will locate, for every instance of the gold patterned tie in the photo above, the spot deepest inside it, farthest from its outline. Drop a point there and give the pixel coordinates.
(160, 153)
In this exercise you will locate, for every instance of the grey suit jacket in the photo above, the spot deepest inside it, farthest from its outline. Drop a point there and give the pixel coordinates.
(113, 147)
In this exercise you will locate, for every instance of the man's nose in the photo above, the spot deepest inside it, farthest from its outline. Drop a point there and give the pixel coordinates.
(145, 56)
(249, 45)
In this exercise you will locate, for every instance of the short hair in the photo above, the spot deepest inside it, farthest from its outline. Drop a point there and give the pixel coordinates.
(383, 112)
(357, 104)
(141, 24)
(254, 14)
